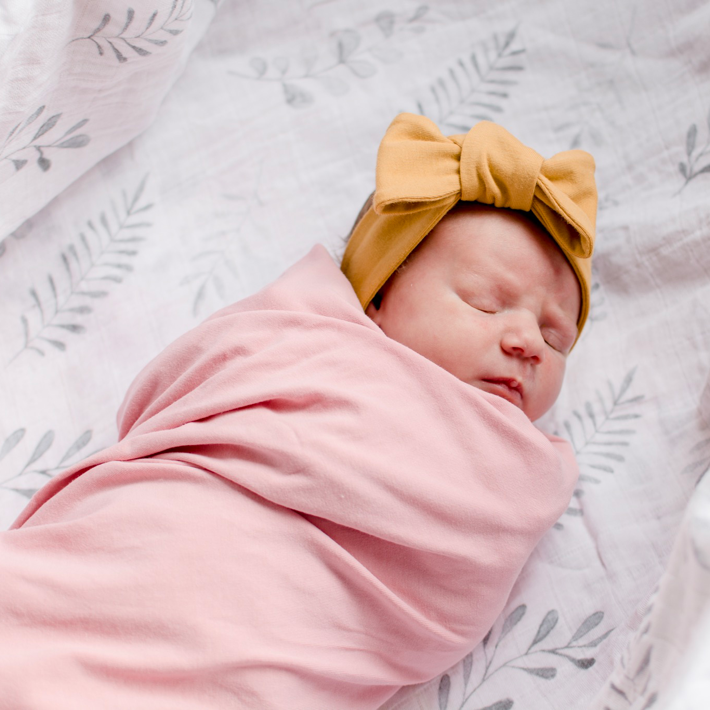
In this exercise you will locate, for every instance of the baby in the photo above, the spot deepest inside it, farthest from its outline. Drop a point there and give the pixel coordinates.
(479, 260)
(325, 491)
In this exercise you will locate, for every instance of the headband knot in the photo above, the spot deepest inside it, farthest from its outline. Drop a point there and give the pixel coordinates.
(496, 168)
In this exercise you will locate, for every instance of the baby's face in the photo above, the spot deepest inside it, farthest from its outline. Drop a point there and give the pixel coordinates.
(489, 297)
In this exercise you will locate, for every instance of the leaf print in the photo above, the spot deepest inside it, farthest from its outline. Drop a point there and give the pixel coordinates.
(44, 443)
(543, 671)
(154, 33)
(349, 49)
(50, 123)
(644, 662)
(296, 96)
(473, 89)
(104, 21)
(385, 21)
(595, 431)
(32, 118)
(103, 258)
(28, 486)
(690, 139)
(444, 689)
(258, 65)
(151, 20)
(548, 672)
(130, 14)
(651, 701)
(690, 170)
(347, 42)
(214, 266)
(75, 127)
(596, 642)
(500, 705)
(43, 162)
(419, 13)
(547, 624)
(75, 141)
(511, 620)
(77, 446)
(11, 442)
(467, 667)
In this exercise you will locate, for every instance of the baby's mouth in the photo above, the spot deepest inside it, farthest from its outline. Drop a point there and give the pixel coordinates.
(507, 387)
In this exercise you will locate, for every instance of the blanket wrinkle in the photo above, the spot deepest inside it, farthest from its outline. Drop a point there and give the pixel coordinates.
(300, 512)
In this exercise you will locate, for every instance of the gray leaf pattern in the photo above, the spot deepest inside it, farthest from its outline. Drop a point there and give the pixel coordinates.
(528, 662)
(475, 87)
(697, 162)
(600, 432)
(138, 37)
(99, 258)
(215, 262)
(24, 480)
(348, 57)
(20, 155)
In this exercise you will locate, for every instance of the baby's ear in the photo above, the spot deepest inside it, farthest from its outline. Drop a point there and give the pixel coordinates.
(373, 308)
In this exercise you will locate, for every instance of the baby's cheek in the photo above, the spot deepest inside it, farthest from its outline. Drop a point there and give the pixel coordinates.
(552, 382)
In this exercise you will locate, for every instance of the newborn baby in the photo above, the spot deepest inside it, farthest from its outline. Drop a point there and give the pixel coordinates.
(325, 491)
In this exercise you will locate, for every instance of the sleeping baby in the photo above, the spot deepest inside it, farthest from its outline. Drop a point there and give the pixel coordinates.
(327, 490)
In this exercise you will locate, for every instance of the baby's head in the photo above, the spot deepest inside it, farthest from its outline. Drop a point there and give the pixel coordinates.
(475, 252)
(489, 297)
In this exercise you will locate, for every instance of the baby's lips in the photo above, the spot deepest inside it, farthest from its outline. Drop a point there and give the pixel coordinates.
(507, 387)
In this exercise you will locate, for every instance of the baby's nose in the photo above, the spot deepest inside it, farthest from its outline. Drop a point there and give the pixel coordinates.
(522, 336)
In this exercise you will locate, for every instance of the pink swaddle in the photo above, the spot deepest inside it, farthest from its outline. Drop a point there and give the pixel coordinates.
(301, 513)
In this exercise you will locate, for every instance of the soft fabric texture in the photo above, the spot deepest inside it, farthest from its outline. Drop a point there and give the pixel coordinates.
(301, 513)
(78, 80)
(421, 175)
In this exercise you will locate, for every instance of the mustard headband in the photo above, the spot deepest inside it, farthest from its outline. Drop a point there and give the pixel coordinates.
(421, 174)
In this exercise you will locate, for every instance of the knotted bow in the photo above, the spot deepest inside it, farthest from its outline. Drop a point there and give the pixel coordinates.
(422, 174)
(418, 168)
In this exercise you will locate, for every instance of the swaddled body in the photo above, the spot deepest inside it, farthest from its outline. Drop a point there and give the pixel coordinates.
(301, 513)
(309, 505)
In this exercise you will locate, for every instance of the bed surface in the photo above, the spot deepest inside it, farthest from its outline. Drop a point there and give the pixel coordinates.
(265, 144)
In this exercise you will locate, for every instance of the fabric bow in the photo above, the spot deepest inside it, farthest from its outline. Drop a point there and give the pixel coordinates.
(419, 168)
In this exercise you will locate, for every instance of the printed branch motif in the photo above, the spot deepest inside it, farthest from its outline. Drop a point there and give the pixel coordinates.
(69, 139)
(690, 170)
(90, 266)
(597, 434)
(701, 459)
(348, 51)
(155, 33)
(215, 262)
(632, 682)
(525, 662)
(596, 304)
(22, 481)
(475, 88)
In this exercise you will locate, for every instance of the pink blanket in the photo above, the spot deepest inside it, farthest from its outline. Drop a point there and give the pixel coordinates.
(300, 513)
